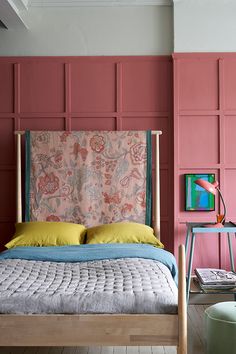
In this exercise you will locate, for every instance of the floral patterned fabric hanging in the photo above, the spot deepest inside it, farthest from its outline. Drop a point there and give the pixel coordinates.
(88, 177)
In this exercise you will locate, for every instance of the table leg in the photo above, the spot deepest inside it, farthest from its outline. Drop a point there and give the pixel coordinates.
(187, 240)
(231, 253)
(190, 264)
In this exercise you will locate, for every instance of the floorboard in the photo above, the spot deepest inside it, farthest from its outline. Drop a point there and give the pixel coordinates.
(98, 350)
(158, 350)
(196, 342)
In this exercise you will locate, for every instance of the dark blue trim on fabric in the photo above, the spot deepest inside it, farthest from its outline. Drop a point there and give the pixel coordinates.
(27, 175)
(148, 219)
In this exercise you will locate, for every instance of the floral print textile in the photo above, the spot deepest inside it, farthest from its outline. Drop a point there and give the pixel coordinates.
(87, 177)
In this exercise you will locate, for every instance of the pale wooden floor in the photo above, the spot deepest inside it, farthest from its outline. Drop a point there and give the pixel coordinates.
(195, 342)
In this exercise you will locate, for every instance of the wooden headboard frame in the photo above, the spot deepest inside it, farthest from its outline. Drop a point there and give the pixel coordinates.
(156, 203)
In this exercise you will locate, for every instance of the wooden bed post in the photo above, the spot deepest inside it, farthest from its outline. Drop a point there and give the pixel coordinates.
(156, 203)
(18, 179)
(182, 305)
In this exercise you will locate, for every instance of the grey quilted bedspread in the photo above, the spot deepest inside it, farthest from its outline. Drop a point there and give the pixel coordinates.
(131, 285)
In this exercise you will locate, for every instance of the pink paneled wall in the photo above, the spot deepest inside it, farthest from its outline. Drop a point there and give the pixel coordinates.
(85, 93)
(205, 141)
(122, 93)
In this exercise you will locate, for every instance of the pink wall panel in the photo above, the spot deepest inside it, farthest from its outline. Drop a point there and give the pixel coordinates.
(192, 147)
(6, 90)
(98, 123)
(230, 132)
(7, 228)
(8, 193)
(204, 141)
(85, 93)
(93, 86)
(144, 122)
(198, 84)
(7, 156)
(44, 123)
(230, 83)
(230, 180)
(146, 86)
(164, 189)
(165, 231)
(42, 86)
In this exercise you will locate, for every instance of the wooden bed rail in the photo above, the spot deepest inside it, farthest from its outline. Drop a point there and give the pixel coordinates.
(156, 203)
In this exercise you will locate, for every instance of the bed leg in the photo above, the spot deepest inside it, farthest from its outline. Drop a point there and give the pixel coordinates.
(182, 306)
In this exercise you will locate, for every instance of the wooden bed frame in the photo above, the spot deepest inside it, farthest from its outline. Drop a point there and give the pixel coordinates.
(99, 329)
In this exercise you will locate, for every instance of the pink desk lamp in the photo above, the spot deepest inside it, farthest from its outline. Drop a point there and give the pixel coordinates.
(212, 188)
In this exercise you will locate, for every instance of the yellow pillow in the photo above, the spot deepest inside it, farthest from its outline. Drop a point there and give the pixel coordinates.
(39, 233)
(123, 232)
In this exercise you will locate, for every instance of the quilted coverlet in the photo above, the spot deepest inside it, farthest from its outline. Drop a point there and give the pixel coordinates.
(112, 278)
(107, 286)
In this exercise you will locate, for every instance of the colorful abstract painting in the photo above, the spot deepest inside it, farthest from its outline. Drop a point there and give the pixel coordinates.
(197, 198)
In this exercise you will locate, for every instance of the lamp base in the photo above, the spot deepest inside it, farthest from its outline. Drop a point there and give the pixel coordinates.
(216, 225)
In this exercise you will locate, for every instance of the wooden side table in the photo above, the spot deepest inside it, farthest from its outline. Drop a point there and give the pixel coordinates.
(194, 229)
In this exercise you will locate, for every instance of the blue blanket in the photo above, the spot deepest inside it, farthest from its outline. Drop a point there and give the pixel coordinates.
(83, 253)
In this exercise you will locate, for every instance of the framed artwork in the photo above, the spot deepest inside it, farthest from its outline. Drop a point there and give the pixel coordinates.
(197, 198)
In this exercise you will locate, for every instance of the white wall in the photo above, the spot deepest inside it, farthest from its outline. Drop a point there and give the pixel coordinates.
(138, 30)
(205, 25)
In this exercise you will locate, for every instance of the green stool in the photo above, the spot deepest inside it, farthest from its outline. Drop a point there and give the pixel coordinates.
(220, 322)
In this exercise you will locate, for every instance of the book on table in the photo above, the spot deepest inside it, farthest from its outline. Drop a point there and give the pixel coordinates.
(211, 278)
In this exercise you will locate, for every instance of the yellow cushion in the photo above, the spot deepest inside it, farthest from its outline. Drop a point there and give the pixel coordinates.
(39, 233)
(124, 232)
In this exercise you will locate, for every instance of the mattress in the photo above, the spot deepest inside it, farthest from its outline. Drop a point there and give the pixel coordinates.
(124, 285)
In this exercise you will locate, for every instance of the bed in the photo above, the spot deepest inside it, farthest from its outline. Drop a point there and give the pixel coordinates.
(122, 294)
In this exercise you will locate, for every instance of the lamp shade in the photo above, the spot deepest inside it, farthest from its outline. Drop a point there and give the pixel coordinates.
(209, 187)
